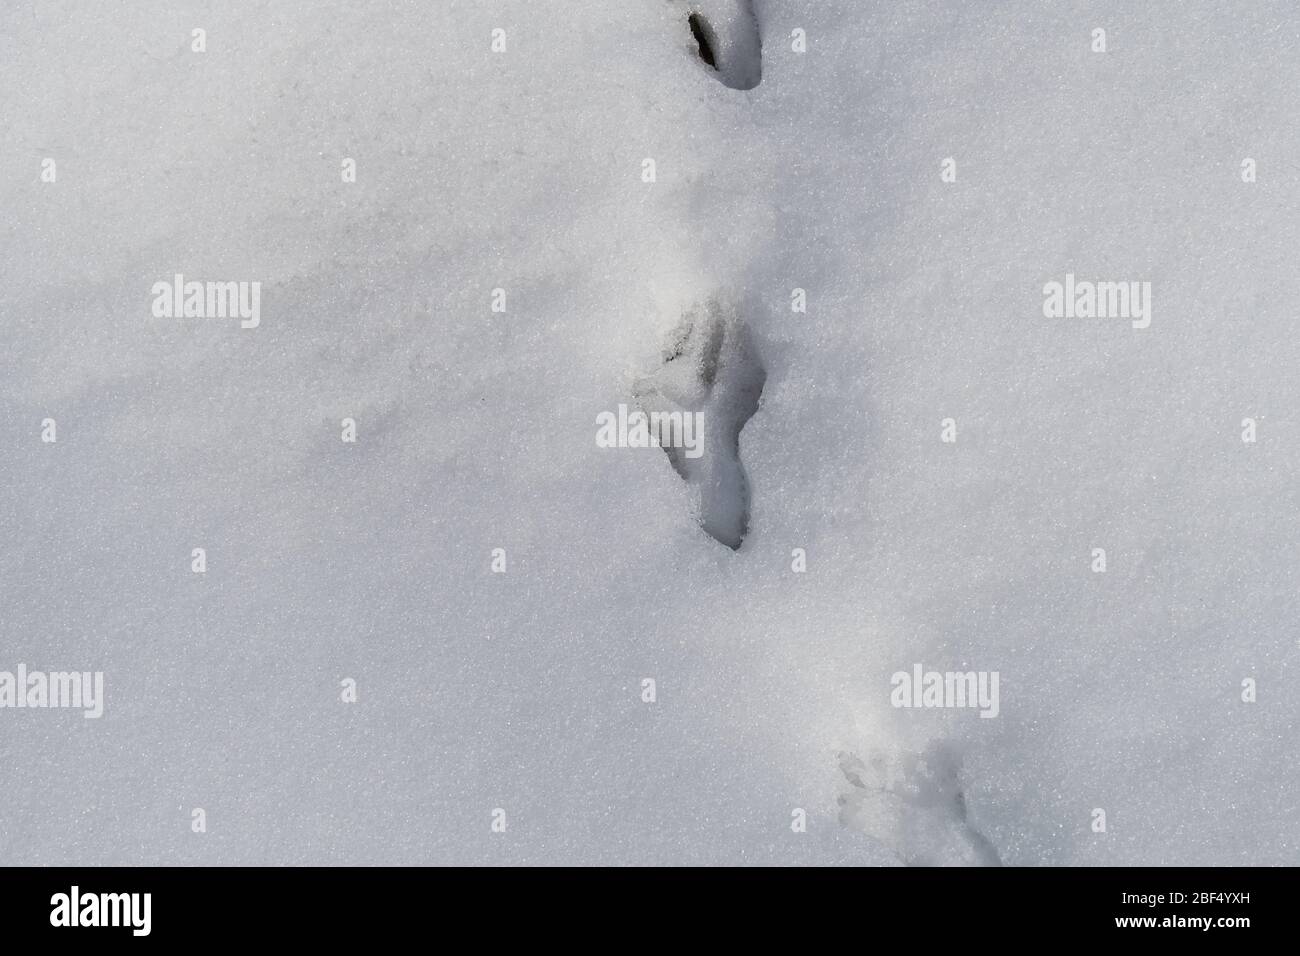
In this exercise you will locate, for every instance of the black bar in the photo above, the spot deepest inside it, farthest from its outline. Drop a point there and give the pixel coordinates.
(340, 905)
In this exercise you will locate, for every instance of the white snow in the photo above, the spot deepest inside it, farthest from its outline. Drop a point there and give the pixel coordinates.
(522, 170)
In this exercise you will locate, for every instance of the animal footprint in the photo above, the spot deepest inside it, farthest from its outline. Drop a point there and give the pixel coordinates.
(913, 804)
(711, 367)
(726, 34)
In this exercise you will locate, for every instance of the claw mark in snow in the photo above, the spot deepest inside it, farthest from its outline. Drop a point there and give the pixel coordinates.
(914, 805)
(710, 365)
(703, 36)
(727, 37)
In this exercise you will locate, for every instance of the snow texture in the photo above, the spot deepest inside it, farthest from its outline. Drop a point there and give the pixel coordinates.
(523, 170)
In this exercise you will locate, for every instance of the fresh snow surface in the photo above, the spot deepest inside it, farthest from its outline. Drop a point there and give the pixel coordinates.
(523, 170)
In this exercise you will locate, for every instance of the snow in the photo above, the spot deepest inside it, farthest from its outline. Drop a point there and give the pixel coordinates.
(523, 170)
